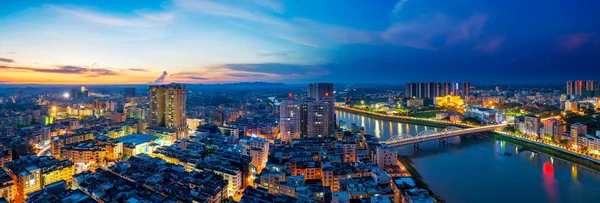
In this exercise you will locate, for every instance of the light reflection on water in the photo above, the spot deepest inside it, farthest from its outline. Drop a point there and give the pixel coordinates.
(380, 128)
(478, 170)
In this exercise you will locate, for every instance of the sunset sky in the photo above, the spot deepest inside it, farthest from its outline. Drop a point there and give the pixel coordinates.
(295, 41)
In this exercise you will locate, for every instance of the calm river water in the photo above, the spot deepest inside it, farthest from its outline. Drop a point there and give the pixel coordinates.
(477, 171)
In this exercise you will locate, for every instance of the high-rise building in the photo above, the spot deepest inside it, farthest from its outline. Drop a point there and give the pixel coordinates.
(167, 108)
(323, 92)
(429, 90)
(130, 92)
(579, 86)
(289, 120)
(577, 130)
(315, 119)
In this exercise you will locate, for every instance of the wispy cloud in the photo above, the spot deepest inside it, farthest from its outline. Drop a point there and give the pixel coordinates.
(138, 69)
(574, 41)
(6, 60)
(245, 75)
(137, 19)
(421, 32)
(490, 45)
(279, 69)
(274, 5)
(65, 70)
(398, 6)
(196, 78)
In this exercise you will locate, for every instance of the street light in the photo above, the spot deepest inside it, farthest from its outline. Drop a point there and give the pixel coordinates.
(66, 95)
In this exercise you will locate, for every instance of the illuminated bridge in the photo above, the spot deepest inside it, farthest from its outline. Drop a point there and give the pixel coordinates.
(428, 135)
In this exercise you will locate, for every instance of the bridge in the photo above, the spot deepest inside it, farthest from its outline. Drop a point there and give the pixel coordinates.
(428, 135)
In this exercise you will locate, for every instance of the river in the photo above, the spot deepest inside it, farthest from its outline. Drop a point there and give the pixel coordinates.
(477, 171)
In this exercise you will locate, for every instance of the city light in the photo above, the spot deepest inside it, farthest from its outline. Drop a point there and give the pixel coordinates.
(66, 95)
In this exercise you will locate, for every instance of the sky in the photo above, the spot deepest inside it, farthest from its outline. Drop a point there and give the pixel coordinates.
(298, 41)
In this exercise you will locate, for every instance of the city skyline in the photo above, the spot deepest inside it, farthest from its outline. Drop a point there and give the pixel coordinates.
(392, 41)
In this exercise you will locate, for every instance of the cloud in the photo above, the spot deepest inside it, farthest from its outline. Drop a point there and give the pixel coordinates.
(103, 71)
(274, 5)
(490, 45)
(160, 79)
(420, 32)
(245, 75)
(279, 69)
(66, 70)
(196, 78)
(7, 60)
(574, 41)
(398, 6)
(224, 10)
(138, 19)
(138, 69)
(276, 54)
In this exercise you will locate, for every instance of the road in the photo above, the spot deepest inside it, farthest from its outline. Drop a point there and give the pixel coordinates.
(43, 150)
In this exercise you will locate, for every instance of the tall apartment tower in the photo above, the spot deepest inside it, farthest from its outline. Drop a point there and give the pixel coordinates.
(430, 90)
(167, 108)
(577, 87)
(314, 119)
(289, 120)
(323, 95)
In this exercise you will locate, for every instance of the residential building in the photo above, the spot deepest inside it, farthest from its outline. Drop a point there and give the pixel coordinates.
(32, 173)
(552, 129)
(167, 108)
(577, 130)
(531, 125)
(289, 120)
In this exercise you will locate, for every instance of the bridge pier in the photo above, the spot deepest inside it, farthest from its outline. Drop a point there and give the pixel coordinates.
(417, 146)
(443, 141)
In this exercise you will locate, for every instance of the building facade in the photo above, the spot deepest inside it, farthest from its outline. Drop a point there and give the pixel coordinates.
(167, 108)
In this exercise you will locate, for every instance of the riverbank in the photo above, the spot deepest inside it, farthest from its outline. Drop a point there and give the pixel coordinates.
(549, 151)
(399, 120)
(406, 162)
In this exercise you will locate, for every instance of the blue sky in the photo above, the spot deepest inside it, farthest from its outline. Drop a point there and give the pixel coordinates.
(383, 41)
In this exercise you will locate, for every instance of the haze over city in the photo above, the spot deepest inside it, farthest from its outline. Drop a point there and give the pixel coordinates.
(387, 41)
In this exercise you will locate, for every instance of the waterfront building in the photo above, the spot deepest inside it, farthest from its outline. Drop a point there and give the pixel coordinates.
(577, 130)
(289, 120)
(552, 129)
(531, 125)
(167, 108)
(484, 114)
(385, 156)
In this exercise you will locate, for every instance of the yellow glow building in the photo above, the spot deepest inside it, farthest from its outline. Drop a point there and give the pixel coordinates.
(448, 100)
